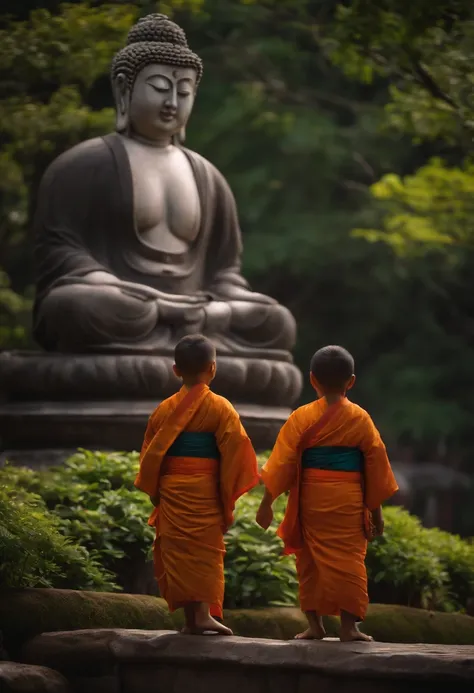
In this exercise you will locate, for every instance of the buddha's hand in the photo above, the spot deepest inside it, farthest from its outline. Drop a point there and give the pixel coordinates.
(218, 316)
(233, 292)
(192, 315)
(140, 291)
(146, 293)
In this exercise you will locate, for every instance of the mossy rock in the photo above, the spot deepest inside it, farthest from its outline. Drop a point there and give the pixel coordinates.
(386, 623)
(29, 612)
(391, 623)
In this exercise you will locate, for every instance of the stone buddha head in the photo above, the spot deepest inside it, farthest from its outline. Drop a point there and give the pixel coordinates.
(154, 79)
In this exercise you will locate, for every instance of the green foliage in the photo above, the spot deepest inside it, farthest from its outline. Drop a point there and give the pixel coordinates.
(256, 573)
(91, 500)
(420, 567)
(34, 552)
(424, 49)
(302, 140)
(421, 211)
(93, 497)
(457, 559)
(430, 210)
(425, 52)
(15, 312)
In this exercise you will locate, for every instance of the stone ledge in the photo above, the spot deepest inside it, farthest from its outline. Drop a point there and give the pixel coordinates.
(35, 376)
(76, 651)
(30, 679)
(106, 424)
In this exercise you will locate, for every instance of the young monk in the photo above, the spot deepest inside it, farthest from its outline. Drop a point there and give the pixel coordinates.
(196, 461)
(330, 456)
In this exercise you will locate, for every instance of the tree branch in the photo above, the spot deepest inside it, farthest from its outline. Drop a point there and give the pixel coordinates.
(427, 81)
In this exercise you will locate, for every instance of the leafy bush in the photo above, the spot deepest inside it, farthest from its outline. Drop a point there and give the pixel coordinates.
(93, 497)
(256, 573)
(34, 552)
(403, 565)
(95, 504)
(457, 558)
(420, 567)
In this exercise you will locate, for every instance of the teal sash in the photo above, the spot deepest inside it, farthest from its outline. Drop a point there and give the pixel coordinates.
(340, 459)
(195, 444)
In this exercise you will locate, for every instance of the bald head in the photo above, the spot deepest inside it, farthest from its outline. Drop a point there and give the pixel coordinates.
(332, 367)
(193, 355)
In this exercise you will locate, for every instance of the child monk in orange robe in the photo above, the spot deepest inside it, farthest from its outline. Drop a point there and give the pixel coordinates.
(196, 461)
(331, 458)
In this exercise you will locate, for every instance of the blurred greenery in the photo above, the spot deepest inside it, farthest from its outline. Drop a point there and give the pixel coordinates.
(79, 525)
(34, 552)
(345, 131)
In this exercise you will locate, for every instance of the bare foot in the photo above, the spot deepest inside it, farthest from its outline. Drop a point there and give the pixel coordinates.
(354, 635)
(312, 633)
(207, 626)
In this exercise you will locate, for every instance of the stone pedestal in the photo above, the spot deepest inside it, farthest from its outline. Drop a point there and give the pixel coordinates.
(58, 402)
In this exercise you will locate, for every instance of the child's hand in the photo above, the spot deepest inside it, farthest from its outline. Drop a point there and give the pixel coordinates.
(265, 516)
(377, 519)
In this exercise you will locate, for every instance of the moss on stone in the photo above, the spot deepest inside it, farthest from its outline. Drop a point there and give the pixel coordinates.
(26, 613)
(391, 623)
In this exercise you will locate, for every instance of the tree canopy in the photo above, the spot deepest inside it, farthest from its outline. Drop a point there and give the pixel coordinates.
(345, 130)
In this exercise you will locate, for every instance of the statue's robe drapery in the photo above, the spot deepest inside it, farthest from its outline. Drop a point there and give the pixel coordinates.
(85, 223)
(334, 478)
(197, 483)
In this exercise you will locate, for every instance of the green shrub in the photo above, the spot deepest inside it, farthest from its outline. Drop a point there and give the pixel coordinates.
(93, 499)
(255, 571)
(34, 552)
(420, 567)
(457, 558)
(93, 496)
(403, 566)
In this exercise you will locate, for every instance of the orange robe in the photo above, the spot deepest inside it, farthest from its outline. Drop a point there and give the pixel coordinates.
(197, 494)
(324, 520)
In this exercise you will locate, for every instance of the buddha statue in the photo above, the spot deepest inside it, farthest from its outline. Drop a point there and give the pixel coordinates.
(137, 237)
(137, 242)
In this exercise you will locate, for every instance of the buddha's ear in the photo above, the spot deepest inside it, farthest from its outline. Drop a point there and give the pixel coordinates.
(122, 103)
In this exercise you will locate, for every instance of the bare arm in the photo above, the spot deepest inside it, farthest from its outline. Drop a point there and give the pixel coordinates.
(265, 511)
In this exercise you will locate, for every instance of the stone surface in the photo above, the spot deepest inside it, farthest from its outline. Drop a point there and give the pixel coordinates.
(23, 678)
(165, 661)
(36, 377)
(103, 401)
(106, 425)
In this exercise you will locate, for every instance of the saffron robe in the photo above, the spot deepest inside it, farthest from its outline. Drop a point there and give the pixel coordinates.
(197, 494)
(334, 475)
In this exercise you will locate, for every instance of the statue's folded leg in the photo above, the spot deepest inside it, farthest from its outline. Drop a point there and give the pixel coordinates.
(269, 325)
(76, 317)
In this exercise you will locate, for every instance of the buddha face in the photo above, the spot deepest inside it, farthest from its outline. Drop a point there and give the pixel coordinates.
(161, 101)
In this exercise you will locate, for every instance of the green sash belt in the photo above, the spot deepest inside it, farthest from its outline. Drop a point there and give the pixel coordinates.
(340, 459)
(190, 444)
